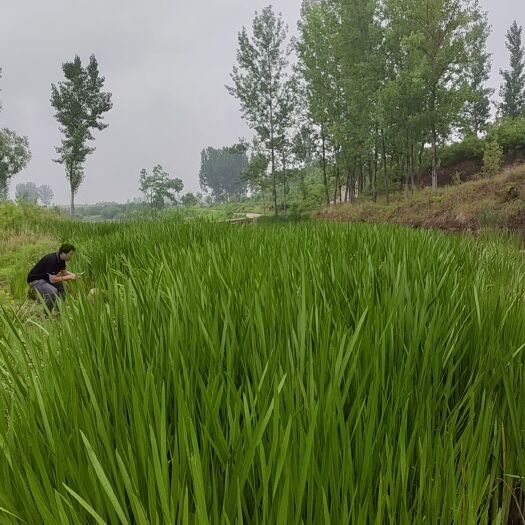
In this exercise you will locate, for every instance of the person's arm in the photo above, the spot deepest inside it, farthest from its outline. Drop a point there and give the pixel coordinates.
(60, 278)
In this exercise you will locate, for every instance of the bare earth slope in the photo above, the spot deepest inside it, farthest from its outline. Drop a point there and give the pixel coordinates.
(497, 202)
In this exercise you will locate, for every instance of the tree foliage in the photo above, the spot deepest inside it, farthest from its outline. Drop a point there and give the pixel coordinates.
(262, 85)
(492, 158)
(510, 135)
(30, 193)
(221, 171)
(27, 192)
(477, 106)
(189, 200)
(513, 88)
(256, 172)
(387, 80)
(14, 157)
(80, 105)
(45, 194)
(158, 187)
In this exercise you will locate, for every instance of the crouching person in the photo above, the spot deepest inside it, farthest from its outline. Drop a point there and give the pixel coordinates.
(48, 275)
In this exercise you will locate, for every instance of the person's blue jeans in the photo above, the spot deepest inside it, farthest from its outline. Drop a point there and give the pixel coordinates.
(51, 293)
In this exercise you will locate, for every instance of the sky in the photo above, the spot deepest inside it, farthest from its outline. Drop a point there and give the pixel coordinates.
(166, 63)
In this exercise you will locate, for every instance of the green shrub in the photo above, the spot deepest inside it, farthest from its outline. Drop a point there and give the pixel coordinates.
(456, 178)
(487, 218)
(10, 214)
(509, 134)
(492, 159)
(470, 148)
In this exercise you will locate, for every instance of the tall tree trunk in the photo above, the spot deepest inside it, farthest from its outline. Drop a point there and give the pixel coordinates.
(434, 141)
(412, 168)
(274, 183)
(337, 182)
(72, 202)
(406, 166)
(434, 160)
(420, 163)
(337, 186)
(284, 194)
(340, 188)
(325, 177)
(351, 184)
(302, 185)
(391, 161)
(284, 184)
(374, 173)
(361, 180)
(370, 176)
(71, 171)
(385, 171)
(347, 186)
(407, 162)
(272, 146)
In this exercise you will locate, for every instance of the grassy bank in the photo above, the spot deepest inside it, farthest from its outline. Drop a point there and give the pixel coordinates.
(497, 202)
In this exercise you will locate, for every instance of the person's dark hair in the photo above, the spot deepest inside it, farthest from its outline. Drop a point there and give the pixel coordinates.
(66, 248)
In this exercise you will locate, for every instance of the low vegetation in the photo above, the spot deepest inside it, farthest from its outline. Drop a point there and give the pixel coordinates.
(306, 373)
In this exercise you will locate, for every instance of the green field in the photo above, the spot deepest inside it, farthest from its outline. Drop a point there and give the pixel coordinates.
(272, 374)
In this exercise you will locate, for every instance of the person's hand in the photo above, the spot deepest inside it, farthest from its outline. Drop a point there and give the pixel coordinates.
(67, 277)
(54, 279)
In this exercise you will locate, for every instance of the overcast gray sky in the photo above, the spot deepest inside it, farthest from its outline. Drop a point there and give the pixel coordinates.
(166, 63)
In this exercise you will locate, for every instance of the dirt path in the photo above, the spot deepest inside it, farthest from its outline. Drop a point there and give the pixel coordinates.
(244, 217)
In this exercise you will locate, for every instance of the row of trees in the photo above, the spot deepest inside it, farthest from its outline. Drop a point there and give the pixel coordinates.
(14, 156)
(221, 172)
(80, 103)
(30, 193)
(377, 88)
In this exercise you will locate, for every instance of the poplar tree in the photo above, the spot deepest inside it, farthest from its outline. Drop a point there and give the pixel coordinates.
(80, 104)
(513, 88)
(260, 82)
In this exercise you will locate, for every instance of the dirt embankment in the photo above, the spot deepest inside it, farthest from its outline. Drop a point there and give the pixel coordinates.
(497, 202)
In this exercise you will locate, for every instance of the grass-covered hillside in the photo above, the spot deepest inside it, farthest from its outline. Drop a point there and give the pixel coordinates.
(483, 203)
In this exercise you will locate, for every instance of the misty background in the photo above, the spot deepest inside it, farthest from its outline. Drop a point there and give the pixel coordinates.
(166, 64)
